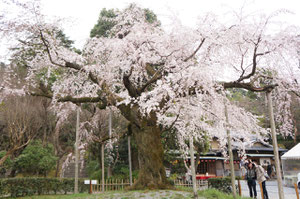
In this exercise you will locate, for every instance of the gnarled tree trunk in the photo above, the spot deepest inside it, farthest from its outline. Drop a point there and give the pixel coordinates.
(152, 173)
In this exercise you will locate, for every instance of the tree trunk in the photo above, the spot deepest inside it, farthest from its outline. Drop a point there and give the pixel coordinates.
(109, 171)
(152, 173)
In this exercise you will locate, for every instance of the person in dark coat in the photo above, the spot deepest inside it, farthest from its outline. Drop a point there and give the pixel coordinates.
(269, 170)
(251, 179)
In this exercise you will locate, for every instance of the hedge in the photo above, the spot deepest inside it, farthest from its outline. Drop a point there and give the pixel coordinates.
(221, 184)
(16, 187)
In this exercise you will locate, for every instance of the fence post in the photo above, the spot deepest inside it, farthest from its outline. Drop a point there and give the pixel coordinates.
(91, 189)
(296, 189)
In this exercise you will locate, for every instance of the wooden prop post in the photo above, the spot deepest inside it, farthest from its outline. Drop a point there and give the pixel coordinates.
(275, 146)
(261, 190)
(102, 167)
(240, 188)
(76, 151)
(193, 167)
(296, 189)
(232, 174)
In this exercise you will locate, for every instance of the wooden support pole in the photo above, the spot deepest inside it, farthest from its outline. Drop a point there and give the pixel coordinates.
(230, 154)
(193, 167)
(275, 146)
(102, 162)
(76, 151)
(296, 189)
(129, 160)
(261, 191)
(240, 188)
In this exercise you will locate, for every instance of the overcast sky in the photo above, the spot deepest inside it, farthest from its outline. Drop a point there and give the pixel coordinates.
(84, 14)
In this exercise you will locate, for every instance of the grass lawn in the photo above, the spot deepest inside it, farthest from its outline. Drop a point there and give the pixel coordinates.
(146, 194)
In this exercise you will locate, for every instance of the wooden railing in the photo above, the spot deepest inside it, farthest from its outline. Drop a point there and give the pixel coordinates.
(110, 185)
(113, 185)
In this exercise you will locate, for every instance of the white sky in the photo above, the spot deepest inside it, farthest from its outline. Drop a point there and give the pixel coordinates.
(84, 14)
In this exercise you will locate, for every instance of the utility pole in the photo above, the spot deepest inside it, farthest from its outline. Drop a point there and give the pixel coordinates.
(275, 146)
(193, 167)
(76, 151)
(230, 154)
(129, 160)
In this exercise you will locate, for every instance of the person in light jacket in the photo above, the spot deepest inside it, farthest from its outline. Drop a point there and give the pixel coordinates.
(260, 173)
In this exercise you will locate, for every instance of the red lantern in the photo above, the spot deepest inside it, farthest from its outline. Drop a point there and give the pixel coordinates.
(209, 160)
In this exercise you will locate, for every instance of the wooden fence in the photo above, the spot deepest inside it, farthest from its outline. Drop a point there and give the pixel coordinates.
(201, 184)
(110, 185)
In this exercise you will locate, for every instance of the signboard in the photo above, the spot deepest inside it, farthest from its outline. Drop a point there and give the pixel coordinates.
(88, 182)
(168, 172)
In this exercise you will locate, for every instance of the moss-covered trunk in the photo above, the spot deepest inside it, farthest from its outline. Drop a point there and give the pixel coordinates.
(152, 173)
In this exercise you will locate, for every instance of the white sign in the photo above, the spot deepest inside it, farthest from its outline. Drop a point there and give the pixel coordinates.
(88, 182)
(168, 172)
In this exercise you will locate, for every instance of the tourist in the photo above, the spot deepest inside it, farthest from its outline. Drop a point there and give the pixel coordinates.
(261, 178)
(251, 177)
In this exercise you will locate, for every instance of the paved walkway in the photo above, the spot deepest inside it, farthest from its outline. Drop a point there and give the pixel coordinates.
(289, 192)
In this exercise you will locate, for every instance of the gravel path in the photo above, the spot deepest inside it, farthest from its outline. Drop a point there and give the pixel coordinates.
(162, 194)
(272, 189)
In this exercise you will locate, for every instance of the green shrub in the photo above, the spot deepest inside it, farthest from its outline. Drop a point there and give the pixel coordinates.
(17, 187)
(221, 184)
(36, 159)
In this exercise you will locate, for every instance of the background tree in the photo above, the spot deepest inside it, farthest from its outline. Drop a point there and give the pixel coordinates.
(21, 123)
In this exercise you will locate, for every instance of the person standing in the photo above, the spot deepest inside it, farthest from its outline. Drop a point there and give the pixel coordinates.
(188, 175)
(260, 173)
(269, 169)
(251, 177)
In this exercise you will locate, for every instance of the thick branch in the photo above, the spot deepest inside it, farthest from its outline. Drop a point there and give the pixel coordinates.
(129, 86)
(67, 64)
(249, 86)
(69, 98)
(156, 75)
